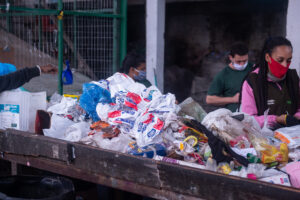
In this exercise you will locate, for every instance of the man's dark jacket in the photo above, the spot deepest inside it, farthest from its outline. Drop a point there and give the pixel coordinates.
(18, 78)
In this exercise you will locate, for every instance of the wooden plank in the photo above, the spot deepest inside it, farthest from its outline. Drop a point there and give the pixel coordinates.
(211, 185)
(118, 165)
(69, 170)
(24, 143)
(88, 158)
(133, 173)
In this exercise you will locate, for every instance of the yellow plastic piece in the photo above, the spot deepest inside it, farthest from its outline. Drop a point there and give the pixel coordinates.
(191, 137)
(72, 96)
(181, 146)
(273, 154)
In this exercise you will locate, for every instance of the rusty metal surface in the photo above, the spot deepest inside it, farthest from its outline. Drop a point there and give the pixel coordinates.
(134, 174)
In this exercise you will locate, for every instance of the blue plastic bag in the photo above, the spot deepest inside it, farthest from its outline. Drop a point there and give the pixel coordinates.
(67, 76)
(6, 68)
(148, 151)
(92, 95)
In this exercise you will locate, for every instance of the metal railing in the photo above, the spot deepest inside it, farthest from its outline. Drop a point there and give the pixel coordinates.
(91, 34)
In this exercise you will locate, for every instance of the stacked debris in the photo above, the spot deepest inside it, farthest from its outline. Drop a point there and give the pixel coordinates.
(122, 115)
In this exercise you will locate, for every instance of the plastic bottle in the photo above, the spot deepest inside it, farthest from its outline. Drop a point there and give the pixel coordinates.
(211, 165)
(67, 76)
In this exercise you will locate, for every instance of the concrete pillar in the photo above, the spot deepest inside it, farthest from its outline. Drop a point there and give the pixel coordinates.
(293, 31)
(155, 29)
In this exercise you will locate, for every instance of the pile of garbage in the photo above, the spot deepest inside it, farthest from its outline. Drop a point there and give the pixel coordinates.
(123, 115)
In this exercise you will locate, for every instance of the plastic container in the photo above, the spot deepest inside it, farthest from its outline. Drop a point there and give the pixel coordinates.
(67, 76)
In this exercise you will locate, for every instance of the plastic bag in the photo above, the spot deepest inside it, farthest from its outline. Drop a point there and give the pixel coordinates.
(257, 169)
(63, 106)
(245, 151)
(272, 154)
(122, 82)
(147, 151)
(102, 83)
(162, 105)
(105, 129)
(223, 125)
(183, 147)
(128, 100)
(55, 99)
(150, 93)
(122, 118)
(265, 130)
(147, 129)
(76, 131)
(240, 142)
(58, 126)
(124, 112)
(192, 108)
(289, 135)
(281, 179)
(293, 169)
(116, 144)
(103, 110)
(92, 95)
(295, 154)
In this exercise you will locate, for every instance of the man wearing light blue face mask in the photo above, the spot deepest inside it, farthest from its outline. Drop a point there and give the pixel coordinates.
(134, 65)
(225, 88)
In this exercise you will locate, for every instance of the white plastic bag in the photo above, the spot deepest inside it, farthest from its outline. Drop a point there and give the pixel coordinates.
(151, 93)
(58, 127)
(223, 125)
(103, 110)
(76, 131)
(147, 129)
(63, 106)
(294, 154)
(163, 105)
(289, 135)
(122, 82)
(244, 152)
(55, 99)
(265, 131)
(119, 143)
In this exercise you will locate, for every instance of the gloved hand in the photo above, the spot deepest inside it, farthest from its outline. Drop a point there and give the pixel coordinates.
(292, 121)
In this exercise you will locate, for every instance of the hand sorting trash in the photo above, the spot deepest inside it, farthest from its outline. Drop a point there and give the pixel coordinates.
(122, 115)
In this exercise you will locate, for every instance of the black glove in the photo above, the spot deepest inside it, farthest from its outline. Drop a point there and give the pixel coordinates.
(291, 121)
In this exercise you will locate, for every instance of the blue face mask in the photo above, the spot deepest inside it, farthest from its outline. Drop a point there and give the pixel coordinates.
(141, 76)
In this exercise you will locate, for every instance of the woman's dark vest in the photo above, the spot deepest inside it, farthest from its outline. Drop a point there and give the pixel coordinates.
(278, 101)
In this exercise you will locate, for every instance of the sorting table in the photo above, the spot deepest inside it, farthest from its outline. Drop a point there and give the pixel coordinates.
(147, 177)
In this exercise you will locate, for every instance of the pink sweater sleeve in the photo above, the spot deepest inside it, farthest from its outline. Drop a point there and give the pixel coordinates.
(297, 114)
(248, 105)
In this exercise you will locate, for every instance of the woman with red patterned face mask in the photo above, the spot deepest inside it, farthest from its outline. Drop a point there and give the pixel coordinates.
(273, 86)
